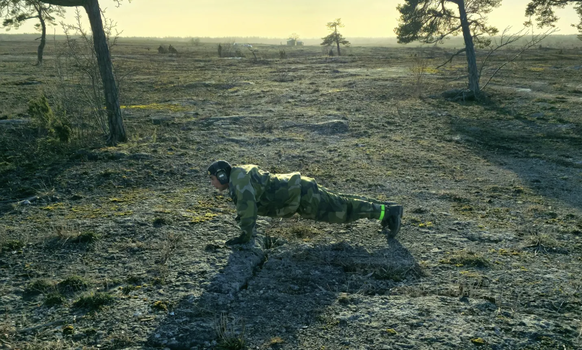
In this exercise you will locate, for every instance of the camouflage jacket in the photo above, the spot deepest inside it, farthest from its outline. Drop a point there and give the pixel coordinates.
(256, 192)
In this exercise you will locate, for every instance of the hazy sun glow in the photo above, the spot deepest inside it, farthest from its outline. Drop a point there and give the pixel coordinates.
(277, 18)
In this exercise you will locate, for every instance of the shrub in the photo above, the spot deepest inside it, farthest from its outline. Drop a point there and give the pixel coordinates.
(230, 333)
(40, 112)
(40, 286)
(94, 301)
(45, 119)
(12, 245)
(129, 288)
(86, 237)
(54, 299)
(72, 284)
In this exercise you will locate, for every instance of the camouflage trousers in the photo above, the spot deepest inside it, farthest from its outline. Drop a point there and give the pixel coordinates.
(320, 204)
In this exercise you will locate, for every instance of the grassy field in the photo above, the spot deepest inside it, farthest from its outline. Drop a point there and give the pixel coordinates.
(123, 247)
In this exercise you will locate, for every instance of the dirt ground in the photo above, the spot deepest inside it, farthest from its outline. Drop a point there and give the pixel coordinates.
(123, 247)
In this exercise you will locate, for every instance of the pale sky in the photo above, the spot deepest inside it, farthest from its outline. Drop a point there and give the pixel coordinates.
(277, 18)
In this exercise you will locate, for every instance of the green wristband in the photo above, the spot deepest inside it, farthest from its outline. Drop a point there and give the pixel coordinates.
(382, 213)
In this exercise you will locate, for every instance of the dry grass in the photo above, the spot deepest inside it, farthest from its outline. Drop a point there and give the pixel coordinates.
(230, 332)
(141, 216)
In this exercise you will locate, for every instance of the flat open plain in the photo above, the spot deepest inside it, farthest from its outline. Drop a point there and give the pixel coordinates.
(123, 247)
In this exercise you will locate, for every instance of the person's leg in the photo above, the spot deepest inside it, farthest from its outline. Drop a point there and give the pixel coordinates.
(363, 198)
(319, 203)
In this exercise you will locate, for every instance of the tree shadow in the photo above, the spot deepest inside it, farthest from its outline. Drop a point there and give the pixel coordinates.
(266, 294)
(546, 153)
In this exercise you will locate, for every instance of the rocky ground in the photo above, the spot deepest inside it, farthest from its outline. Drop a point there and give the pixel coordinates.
(123, 247)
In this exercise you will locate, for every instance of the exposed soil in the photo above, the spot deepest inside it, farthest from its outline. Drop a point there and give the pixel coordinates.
(489, 255)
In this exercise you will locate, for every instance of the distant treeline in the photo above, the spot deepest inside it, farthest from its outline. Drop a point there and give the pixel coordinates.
(553, 41)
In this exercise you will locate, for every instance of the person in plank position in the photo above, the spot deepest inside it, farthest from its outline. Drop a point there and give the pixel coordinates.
(257, 192)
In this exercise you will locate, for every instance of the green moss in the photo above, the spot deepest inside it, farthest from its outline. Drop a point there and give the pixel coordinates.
(68, 330)
(390, 331)
(158, 106)
(466, 258)
(85, 212)
(478, 341)
(202, 218)
(160, 305)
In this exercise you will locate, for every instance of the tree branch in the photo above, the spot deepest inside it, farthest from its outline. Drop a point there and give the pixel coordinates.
(451, 58)
(68, 3)
(510, 40)
(533, 42)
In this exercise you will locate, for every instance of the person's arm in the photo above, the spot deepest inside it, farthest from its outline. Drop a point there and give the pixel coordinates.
(246, 204)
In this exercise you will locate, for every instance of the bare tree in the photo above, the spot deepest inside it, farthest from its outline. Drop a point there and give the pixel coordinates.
(115, 120)
(294, 37)
(16, 12)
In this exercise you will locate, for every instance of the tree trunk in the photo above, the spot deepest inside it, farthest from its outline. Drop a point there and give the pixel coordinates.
(115, 120)
(40, 49)
(337, 41)
(469, 51)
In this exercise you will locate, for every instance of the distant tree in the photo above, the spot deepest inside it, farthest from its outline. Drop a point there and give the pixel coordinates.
(544, 11)
(16, 12)
(294, 37)
(115, 120)
(431, 21)
(335, 37)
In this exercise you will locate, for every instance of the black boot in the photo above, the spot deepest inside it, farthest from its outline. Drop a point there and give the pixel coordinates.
(392, 220)
(242, 239)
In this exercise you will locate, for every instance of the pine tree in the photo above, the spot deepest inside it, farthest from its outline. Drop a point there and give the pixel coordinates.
(335, 37)
(431, 21)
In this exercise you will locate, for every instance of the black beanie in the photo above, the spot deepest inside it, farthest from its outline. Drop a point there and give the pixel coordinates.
(219, 165)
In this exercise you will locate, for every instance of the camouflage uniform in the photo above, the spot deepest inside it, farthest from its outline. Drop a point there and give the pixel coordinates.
(255, 192)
